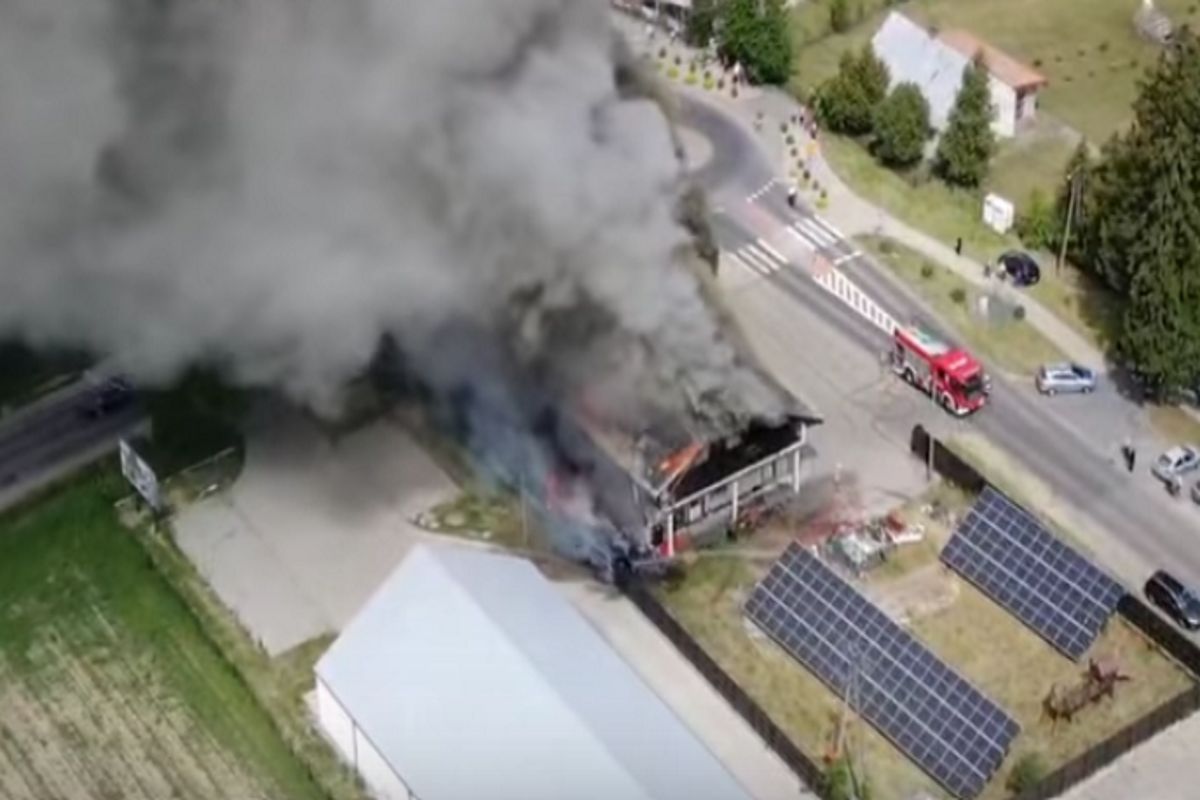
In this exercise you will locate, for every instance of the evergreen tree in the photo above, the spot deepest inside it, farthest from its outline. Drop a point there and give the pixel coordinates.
(847, 101)
(1144, 237)
(702, 22)
(755, 33)
(839, 15)
(901, 127)
(968, 142)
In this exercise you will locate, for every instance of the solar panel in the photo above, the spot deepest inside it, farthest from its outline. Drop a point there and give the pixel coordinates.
(1010, 556)
(943, 723)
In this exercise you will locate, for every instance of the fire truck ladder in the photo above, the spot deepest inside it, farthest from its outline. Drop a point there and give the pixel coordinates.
(837, 284)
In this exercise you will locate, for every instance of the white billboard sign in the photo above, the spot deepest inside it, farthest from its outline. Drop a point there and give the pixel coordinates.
(998, 213)
(139, 473)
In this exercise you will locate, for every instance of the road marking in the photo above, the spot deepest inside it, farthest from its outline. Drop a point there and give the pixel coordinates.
(837, 262)
(760, 191)
(764, 260)
(836, 233)
(814, 233)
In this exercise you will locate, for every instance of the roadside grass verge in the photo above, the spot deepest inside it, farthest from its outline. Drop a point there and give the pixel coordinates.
(1014, 346)
(491, 517)
(1006, 660)
(110, 686)
(1175, 425)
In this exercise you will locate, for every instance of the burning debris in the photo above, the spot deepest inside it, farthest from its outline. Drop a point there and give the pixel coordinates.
(273, 187)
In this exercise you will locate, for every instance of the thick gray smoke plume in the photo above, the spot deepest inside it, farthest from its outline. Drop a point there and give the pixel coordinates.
(271, 185)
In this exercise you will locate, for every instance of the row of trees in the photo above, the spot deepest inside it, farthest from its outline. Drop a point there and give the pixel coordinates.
(753, 33)
(895, 125)
(1136, 221)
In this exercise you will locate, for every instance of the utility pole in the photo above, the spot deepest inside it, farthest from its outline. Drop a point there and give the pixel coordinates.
(1072, 200)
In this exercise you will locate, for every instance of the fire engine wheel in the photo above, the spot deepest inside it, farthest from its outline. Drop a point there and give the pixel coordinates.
(947, 403)
(910, 376)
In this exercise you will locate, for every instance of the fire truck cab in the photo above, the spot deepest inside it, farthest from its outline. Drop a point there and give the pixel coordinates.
(951, 375)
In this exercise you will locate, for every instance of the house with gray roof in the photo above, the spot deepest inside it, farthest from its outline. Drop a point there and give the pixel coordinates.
(935, 61)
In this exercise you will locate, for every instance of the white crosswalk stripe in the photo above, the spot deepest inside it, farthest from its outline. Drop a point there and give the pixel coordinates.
(810, 229)
(760, 257)
(766, 187)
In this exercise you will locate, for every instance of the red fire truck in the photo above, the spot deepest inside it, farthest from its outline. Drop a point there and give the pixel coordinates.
(951, 375)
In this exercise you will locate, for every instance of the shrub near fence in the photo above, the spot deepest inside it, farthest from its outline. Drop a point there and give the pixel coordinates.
(1136, 613)
(804, 767)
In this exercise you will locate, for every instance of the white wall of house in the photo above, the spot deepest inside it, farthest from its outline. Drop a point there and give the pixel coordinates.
(356, 750)
(1004, 102)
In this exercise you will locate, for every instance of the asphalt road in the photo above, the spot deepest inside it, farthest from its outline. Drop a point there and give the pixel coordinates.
(39, 443)
(1069, 443)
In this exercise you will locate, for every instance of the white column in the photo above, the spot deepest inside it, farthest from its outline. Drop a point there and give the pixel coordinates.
(734, 495)
(796, 471)
(670, 533)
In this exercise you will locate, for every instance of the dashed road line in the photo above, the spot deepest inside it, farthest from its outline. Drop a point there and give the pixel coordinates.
(760, 257)
(842, 259)
(760, 191)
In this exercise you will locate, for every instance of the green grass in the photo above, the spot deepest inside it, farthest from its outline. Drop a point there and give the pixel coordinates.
(1087, 48)
(489, 517)
(1014, 346)
(78, 595)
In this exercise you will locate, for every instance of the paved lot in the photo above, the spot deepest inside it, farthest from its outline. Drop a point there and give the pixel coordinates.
(311, 527)
(686, 691)
(1163, 768)
(868, 415)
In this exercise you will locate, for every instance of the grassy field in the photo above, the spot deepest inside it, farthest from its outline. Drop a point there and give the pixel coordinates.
(1014, 346)
(1006, 660)
(1087, 48)
(109, 686)
(494, 518)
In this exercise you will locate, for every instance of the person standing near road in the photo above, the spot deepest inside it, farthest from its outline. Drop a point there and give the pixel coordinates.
(791, 195)
(1129, 454)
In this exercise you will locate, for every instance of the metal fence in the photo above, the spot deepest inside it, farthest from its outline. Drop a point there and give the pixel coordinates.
(804, 767)
(945, 461)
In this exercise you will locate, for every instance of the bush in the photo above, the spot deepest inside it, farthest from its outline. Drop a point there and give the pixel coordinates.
(846, 102)
(690, 80)
(927, 271)
(791, 140)
(783, 128)
(673, 73)
(662, 52)
(678, 60)
(839, 16)
(958, 295)
(794, 153)
(1018, 312)
(1038, 223)
(708, 83)
(721, 84)
(733, 93)
(1028, 770)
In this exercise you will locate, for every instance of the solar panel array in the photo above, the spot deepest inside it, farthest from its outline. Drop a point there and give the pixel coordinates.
(945, 725)
(1011, 557)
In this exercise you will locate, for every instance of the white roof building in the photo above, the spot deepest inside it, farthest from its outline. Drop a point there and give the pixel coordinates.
(935, 63)
(468, 676)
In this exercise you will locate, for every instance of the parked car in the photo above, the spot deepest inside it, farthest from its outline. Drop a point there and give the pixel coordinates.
(1055, 378)
(1020, 267)
(1179, 602)
(1196, 493)
(1176, 461)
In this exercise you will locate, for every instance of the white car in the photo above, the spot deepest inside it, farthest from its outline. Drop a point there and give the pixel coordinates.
(1054, 378)
(1176, 461)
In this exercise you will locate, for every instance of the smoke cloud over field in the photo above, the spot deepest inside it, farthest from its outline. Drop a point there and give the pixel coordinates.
(271, 185)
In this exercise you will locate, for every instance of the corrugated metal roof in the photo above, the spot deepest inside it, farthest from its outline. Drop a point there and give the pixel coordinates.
(913, 56)
(475, 678)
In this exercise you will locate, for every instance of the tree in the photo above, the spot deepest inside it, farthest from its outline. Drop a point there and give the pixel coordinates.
(847, 101)
(701, 22)
(755, 33)
(1026, 773)
(968, 142)
(901, 127)
(1149, 221)
(1038, 224)
(839, 15)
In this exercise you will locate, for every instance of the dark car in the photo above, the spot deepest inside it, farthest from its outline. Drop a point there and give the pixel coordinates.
(1179, 602)
(1020, 268)
(113, 396)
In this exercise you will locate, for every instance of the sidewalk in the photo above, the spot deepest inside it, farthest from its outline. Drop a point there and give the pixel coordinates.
(764, 108)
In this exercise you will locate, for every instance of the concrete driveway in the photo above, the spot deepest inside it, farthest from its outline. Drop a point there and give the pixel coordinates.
(312, 526)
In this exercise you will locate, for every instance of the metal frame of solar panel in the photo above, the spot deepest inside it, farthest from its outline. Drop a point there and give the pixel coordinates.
(943, 723)
(1011, 557)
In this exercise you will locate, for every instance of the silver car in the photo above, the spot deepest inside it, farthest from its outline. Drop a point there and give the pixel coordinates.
(1176, 461)
(1054, 378)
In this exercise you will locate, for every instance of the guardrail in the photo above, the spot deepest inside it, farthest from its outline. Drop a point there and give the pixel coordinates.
(809, 771)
